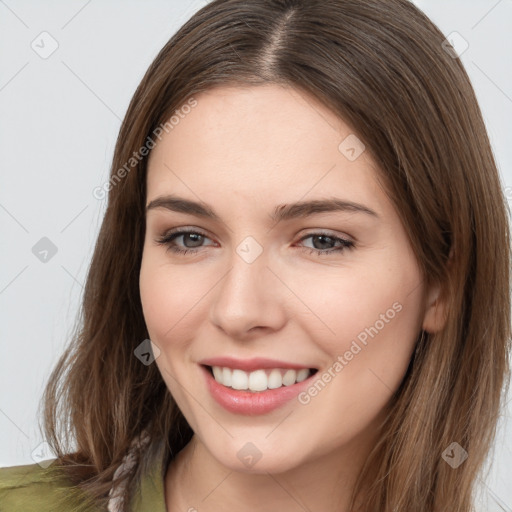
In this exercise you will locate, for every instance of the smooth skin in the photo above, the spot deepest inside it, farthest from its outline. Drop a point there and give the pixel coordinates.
(242, 152)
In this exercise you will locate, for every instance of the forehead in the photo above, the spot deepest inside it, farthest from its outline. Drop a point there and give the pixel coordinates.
(261, 144)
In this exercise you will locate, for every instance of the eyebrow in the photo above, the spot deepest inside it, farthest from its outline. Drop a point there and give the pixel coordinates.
(281, 212)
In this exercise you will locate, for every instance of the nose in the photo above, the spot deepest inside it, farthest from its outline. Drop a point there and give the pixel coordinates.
(249, 300)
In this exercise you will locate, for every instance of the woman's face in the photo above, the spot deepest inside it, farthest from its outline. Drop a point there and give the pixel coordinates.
(295, 255)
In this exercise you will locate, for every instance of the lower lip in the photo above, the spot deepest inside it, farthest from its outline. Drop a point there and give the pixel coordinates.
(249, 403)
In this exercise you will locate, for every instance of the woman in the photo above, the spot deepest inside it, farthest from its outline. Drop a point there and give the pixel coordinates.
(300, 295)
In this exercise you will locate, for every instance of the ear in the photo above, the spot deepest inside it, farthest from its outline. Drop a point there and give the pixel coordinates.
(436, 311)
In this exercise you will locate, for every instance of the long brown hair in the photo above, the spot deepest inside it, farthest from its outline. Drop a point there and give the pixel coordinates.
(380, 65)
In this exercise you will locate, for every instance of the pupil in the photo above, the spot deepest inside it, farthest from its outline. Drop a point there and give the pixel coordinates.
(198, 239)
(324, 237)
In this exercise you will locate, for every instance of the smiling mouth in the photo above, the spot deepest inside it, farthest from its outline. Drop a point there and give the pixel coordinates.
(260, 379)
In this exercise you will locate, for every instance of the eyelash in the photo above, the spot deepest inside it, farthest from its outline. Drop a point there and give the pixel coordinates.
(169, 237)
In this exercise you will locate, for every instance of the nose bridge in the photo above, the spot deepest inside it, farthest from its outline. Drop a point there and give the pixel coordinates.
(248, 294)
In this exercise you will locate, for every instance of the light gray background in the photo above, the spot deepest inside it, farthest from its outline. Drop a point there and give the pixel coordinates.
(59, 118)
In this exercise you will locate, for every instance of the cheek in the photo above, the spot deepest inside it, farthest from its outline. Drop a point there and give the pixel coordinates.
(172, 298)
(373, 317)
(376, 319)
(161, 305)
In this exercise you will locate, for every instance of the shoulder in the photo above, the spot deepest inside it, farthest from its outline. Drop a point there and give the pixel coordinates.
(33, 487)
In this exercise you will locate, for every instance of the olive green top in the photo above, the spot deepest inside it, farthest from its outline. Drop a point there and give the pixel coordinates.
(43, 488)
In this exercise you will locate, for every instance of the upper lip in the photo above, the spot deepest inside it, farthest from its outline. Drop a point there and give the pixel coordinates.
(252, 364)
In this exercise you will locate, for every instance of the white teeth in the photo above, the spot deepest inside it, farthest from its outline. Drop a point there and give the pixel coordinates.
(226, 376)
(289, 377)
(217, 373)
(258, 380)
(302, 374)
(275, 379)
(239, 379)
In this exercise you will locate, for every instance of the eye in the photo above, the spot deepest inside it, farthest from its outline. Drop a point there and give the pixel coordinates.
(324, 243)
(193, 241)
(189, 238)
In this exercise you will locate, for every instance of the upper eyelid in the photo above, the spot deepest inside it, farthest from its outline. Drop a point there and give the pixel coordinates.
(317, 232)
(184, 231)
